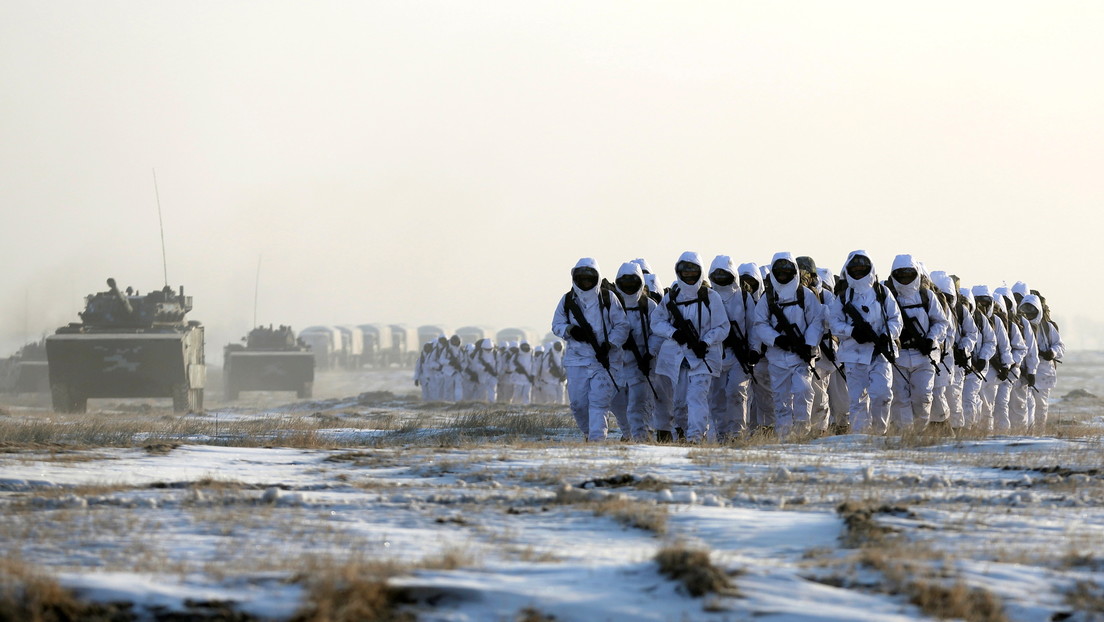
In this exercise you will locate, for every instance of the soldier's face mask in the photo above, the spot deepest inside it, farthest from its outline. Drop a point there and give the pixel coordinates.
(984, 303)
(585, 278)
(629, 283)
(724, 278)
(688, 272)
(525, 347)
(783, 272)
(557, 346)
(859, 267)
(1029, 312)
(749, 283)
(455, 340)
(904, 276)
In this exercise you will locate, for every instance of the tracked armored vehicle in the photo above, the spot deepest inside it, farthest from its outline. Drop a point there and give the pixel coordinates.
(271, 360)
(129, 345)
(26, 370)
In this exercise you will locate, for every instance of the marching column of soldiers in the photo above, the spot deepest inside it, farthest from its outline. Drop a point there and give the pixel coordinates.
(791, 350)
(508, 372)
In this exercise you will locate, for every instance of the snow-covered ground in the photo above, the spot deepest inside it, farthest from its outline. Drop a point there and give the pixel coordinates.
(533, 522)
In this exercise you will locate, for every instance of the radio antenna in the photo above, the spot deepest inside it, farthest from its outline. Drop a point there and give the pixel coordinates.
(161, 222)
(256, 290)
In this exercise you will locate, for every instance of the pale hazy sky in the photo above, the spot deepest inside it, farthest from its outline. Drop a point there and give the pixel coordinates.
(449, 161)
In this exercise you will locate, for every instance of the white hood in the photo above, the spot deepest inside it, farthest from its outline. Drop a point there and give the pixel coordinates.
(827, 279)
(867, 281)
(645, 267)
(1033, 300)
(1021, 288)
(724, 262)
(943, 282)
(586, 262)
(785, 291)
(687, 292)
(967, 297)
(979, 291)
(752, 270)
(906, 261)
(486, 344)
(633, 268)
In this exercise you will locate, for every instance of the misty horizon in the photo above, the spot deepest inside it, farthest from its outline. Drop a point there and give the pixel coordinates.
(450, 162)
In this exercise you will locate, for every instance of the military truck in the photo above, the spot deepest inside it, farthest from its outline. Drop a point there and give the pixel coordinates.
(272, 359)
(128, 345)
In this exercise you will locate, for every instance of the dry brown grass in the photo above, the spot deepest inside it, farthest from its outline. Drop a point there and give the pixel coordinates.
(1086, 596)
(694, 570)
(631, 513)
(29, 595)
(353, 591)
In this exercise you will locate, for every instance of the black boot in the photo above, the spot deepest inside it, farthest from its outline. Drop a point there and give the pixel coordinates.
(663, 436)
(680, 433)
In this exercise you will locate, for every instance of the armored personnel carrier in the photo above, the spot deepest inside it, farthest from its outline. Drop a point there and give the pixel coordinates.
(128, 345)
(272, 359)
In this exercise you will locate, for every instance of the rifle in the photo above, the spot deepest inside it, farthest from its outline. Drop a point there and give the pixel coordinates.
(487, 366)
(641, 364)
(882, 344)
(518, 368)
(591, 338)
(913, 336)
(828, 349)
(683, 324)
(961, 359)
(790, 330)
(741, 348)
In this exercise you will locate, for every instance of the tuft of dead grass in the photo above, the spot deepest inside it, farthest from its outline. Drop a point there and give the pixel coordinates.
(351, 590)
(862, 530)
(1086, 596)
(27, 594)
(632, 513)
(694, 570)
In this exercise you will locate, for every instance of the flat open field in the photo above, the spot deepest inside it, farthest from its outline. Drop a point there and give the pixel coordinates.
(366, 504)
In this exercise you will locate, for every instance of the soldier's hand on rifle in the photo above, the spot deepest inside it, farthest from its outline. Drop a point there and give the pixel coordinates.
(1046, 355)
(1030, 379)
(927, 346)
(980, 365)
(731, 341)
(681, 336)
(960, 357)
(754, 356)
(1002, 373)
(809, 353)
(603, 353)
(863, 333)
(882, 344)
(578, 333)
(700, 348)
(784, 342)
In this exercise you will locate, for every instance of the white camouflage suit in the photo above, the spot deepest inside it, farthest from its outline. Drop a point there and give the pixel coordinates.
(590, 387)
(790, 374)
(957, 344)
(728, 397)
(1051, 350)
(923, 325)
(677, 364)
(866, 371)
(634, 404)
